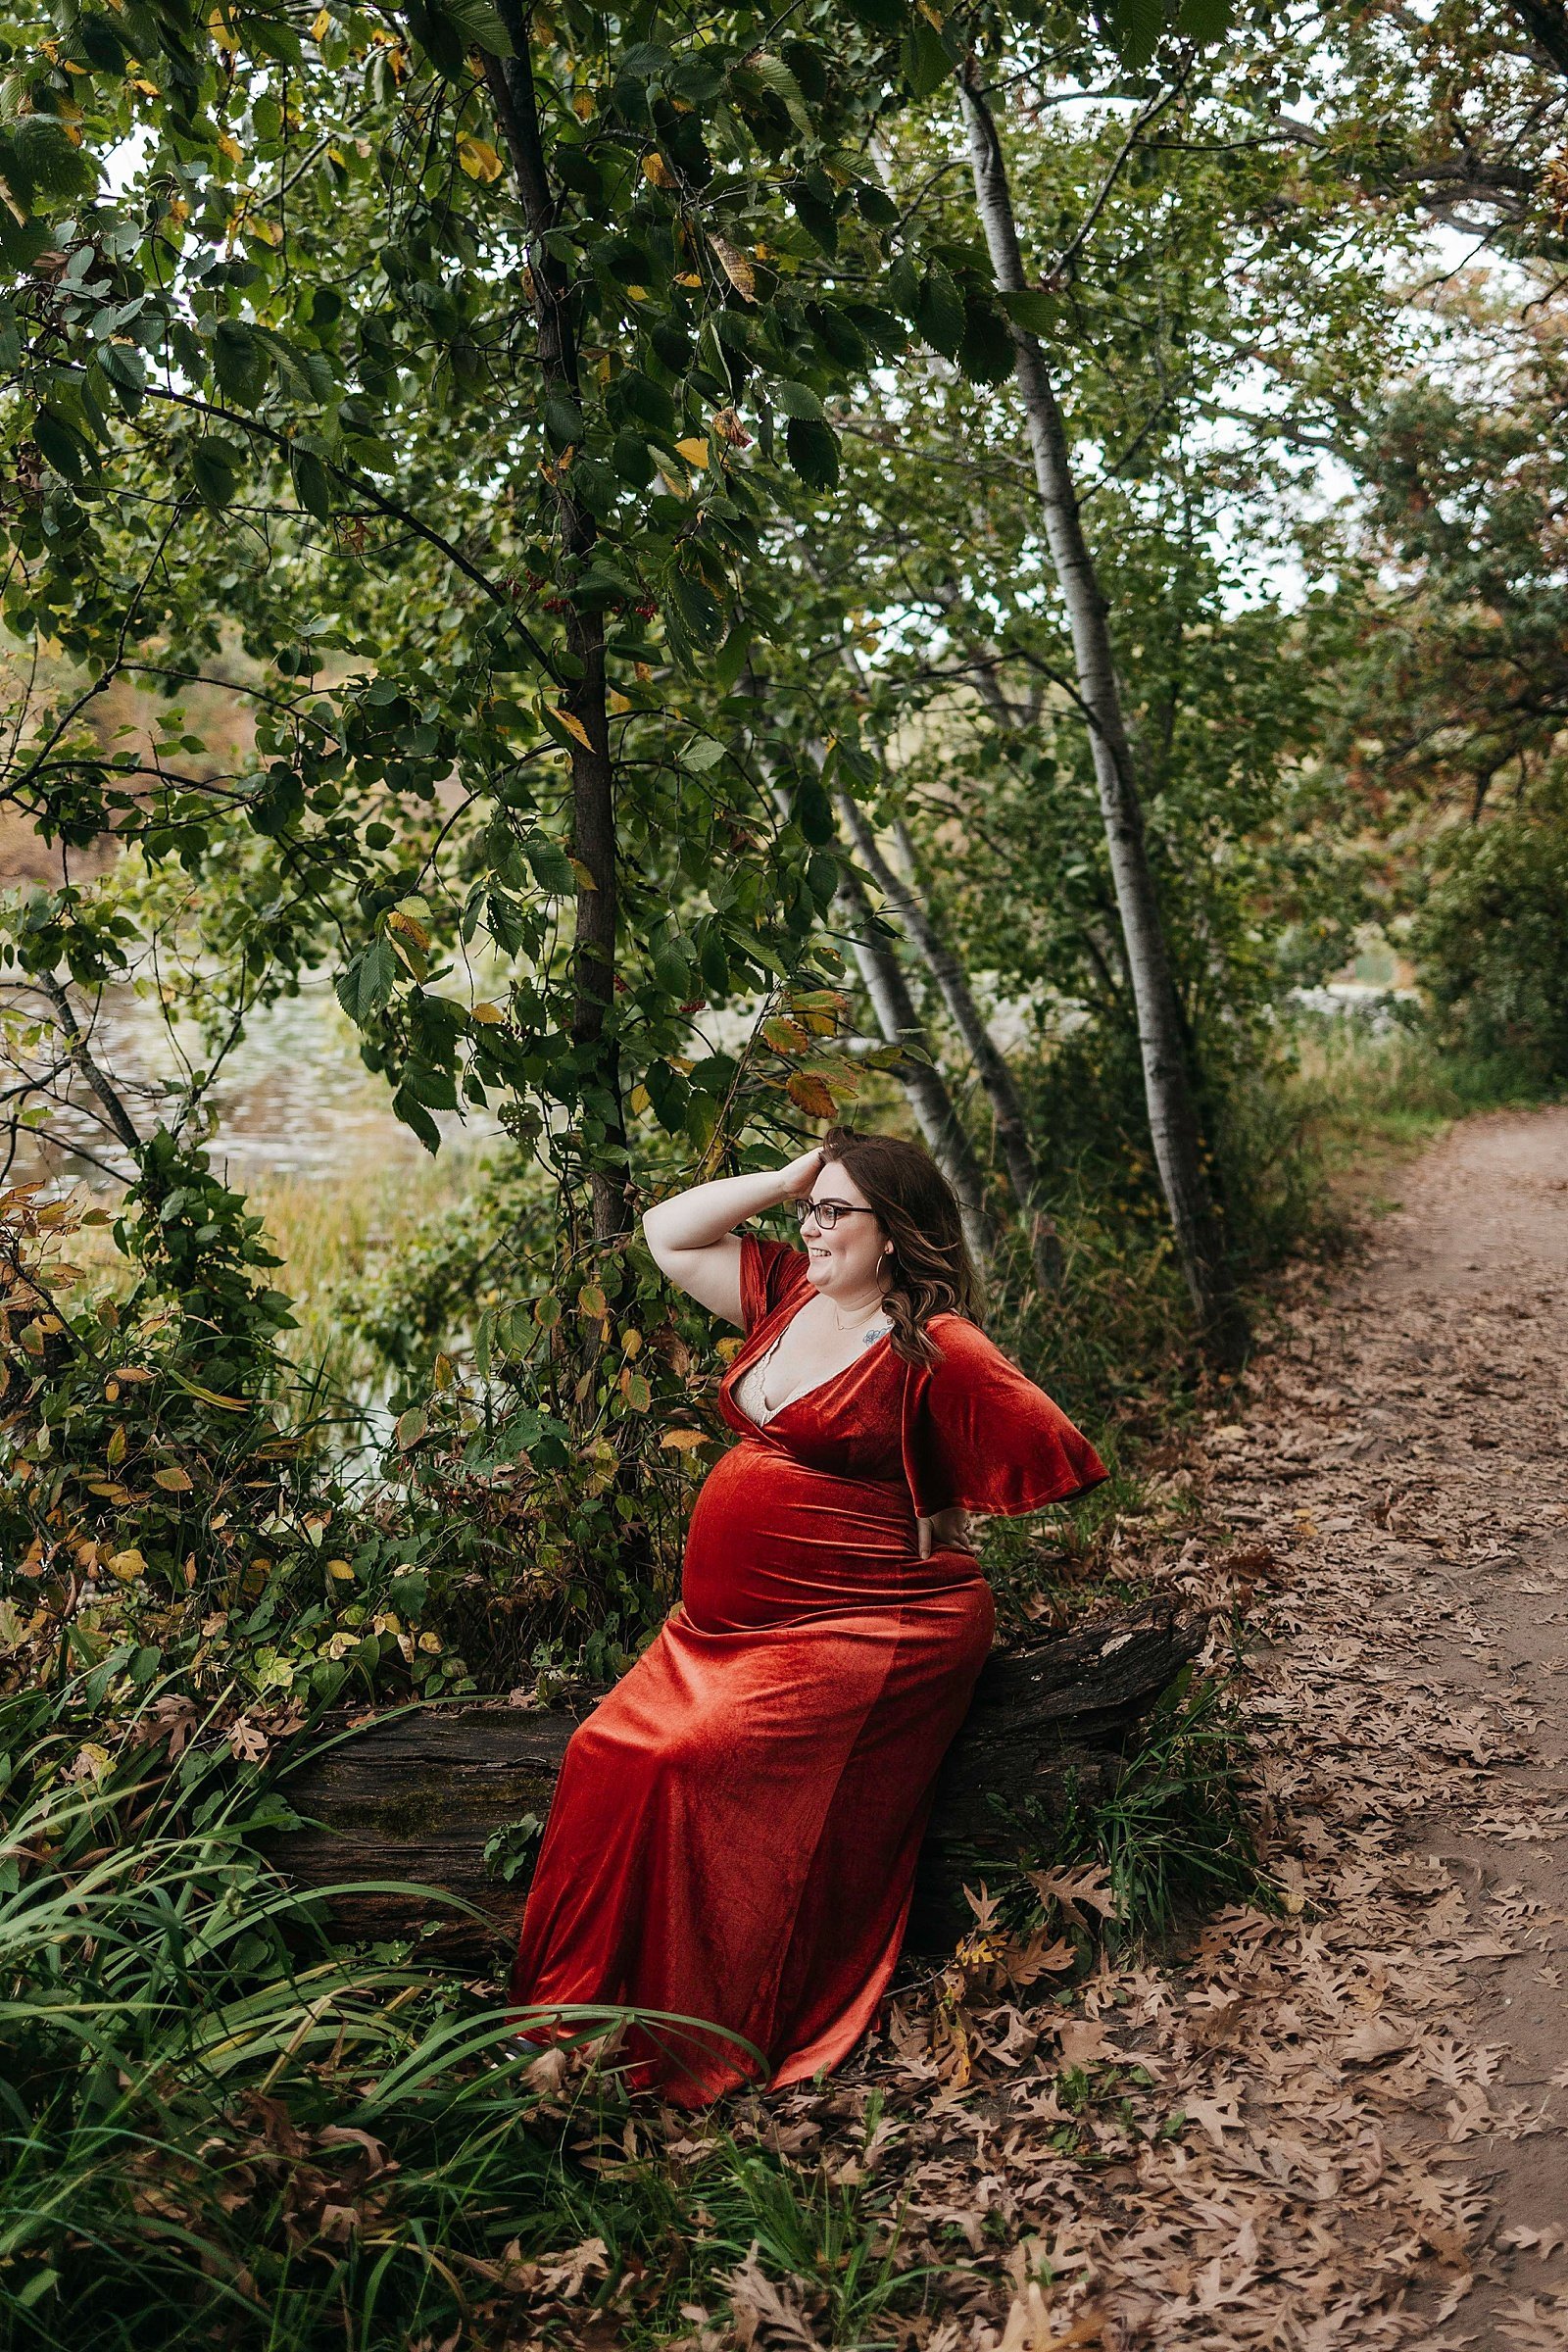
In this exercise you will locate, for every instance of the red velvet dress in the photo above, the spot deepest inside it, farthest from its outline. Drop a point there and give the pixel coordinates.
(735, 1829)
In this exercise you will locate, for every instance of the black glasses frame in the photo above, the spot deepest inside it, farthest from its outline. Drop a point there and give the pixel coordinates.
(828, 1212)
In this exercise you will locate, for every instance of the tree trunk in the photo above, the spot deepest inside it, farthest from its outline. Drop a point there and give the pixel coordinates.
(947, 969)
(1167, 1084)
(415, 1798)
(933, 1105)
(593, 776)
(991, 1067)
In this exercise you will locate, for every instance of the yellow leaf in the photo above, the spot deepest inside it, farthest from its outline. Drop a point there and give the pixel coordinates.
(637, 293)
(479, 158)
(684, 1441)
(619, 702)
(321, 24)
(694, 452)
(657, 172)
(150, 89)
(172, 1481)
(115, 1450)
(582, 106)
(585, 880)
(127, 1565)
(576, 729)
(409, 928)
(231, 148)
(638, 1100)
(489, 1016)
(341, 1570)
(735, 265)
(688, 278)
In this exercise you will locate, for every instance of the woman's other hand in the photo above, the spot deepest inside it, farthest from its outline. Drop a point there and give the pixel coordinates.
(799, 1175)
(945, 1531)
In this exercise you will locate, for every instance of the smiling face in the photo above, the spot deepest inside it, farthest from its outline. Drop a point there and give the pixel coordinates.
(847, 1265)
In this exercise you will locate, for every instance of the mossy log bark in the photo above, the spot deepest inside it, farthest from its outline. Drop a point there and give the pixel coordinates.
(414, 1796)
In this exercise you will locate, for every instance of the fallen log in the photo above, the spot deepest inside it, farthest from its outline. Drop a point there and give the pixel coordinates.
(418, 1794)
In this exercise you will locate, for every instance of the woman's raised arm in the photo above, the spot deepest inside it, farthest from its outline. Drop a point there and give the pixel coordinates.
(691, 1236)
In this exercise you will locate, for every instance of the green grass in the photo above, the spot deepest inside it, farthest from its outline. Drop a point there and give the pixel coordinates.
(330, 1232)
(216, 2128)
(1362, 1103)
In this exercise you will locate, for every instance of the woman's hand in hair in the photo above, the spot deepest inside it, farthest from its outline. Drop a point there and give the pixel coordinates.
(946, 1530)
(798, 1176)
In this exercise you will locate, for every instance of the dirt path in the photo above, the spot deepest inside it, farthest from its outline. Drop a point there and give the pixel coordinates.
(1422, 1418)
(1346, 2124)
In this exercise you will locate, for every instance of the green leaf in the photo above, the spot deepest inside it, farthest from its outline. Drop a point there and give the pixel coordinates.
(241, 361)
(1203, 20)
(215, 473)
(701, 1119)
(672, 972)
(367, 983)
(813, 810)
(638, 396)
(882, 16)
(550, 865)
(796, 400)
(985, 352)
(408, 1108)
(939, 311)
(812, 450)
(632, 459)
(66, 450)
(124, 366)
(1136, 27)
(313, 483)
(480, 23)
(822, 877)
(699, 607)
(563, 421)
(1032, 309)
(21, 241)
(43, 165)
(924, 57)
(775, 78)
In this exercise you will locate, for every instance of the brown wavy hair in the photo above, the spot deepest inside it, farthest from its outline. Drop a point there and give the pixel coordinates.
(918, 1211)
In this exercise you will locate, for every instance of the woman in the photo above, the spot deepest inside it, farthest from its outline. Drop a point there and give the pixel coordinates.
(734, 1832)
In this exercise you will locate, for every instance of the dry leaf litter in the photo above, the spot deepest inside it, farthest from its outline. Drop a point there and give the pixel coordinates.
(1340, 2121)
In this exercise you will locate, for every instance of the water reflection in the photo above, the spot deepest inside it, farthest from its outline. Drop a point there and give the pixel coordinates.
(292, 1099)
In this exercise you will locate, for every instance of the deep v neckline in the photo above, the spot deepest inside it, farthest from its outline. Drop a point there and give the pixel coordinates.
(739, 1370)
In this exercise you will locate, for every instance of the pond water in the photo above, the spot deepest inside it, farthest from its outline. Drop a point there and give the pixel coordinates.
(292, 1100)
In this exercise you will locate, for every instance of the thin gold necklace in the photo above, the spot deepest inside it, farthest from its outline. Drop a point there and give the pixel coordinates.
(860, 1316)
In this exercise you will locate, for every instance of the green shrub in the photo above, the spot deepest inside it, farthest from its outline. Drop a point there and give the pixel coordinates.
(1491, 936)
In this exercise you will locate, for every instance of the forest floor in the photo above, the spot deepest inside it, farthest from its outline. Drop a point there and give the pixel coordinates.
(1344, 2120)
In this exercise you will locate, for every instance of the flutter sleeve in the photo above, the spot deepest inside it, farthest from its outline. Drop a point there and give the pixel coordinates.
(979, 1436)
(770, 1272)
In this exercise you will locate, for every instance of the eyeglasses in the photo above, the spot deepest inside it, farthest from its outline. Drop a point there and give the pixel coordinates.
(828, 1212)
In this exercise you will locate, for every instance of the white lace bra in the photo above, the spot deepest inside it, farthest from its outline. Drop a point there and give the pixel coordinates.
(750, 1391)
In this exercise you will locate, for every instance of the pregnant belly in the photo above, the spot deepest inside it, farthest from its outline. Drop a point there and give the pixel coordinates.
(771, 1540)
